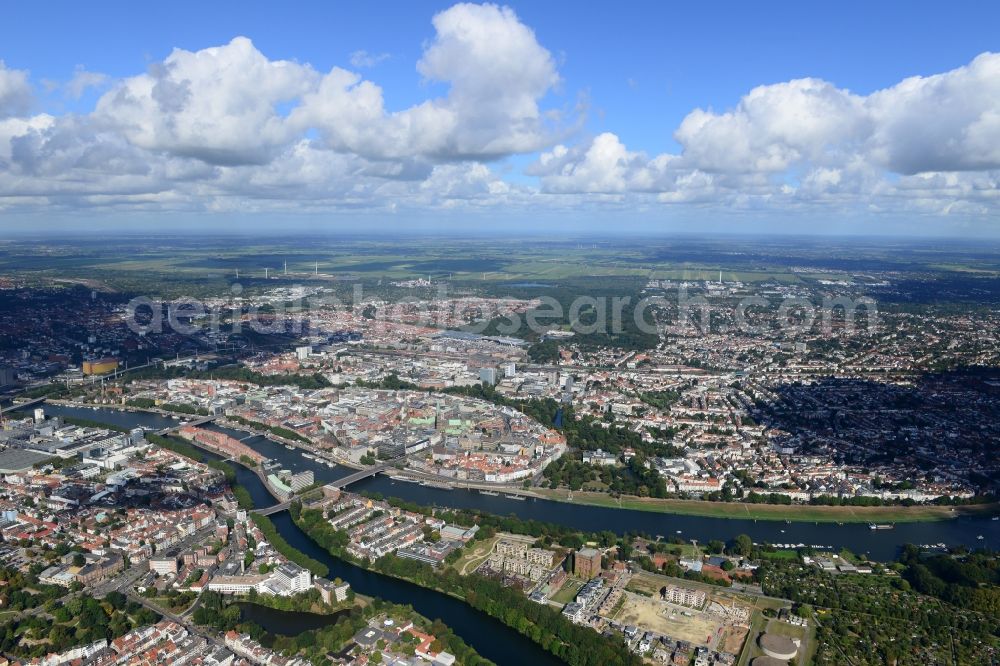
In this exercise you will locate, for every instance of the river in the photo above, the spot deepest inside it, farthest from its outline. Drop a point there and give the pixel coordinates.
(491, 638)
(286, 623)
(878, 544)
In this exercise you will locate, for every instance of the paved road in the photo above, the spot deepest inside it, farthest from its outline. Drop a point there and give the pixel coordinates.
(128, 577)
(173, 617)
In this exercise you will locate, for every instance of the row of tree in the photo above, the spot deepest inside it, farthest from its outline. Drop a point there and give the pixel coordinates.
(576, 645)
(288, 550)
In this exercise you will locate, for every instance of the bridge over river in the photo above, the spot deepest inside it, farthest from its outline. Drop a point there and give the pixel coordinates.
(197, 422)
(339, 484)
(343, 482)
(20, 406)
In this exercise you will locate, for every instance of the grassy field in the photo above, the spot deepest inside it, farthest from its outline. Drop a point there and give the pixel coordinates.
(781, 555)
(750, 649)
(797, 513)
(183, 258)
(711, 274)
(474, 556)
(646, 584)
(794, 632)
(164, 602)
(690, 550)
(568, 591)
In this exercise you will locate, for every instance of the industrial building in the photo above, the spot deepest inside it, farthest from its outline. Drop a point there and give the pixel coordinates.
(101, 366)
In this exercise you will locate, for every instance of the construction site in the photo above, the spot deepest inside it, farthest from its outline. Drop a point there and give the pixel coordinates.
(702, 615)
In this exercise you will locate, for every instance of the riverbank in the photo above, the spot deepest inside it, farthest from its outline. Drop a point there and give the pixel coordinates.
(314, 636)
(283, 621)
(265, 525)
(801, 513)
(574, 644)
(792, 512)
(972, 531)
(492, 639)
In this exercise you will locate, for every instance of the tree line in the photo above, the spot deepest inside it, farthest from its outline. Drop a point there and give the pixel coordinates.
(576, 645)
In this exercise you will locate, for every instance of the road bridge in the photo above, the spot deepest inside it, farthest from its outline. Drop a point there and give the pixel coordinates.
(339, 484)
(345, 481)
(17, 406)
(277, 508)
(197, 422)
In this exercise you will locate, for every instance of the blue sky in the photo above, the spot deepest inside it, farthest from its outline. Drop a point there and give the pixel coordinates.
(594, 136)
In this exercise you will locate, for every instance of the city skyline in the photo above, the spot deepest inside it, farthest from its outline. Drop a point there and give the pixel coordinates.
(450, 333)
(444, 117)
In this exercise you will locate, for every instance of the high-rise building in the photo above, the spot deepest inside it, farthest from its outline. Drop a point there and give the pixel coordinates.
(294, 577)
(587, 562)
(488, 376)
(567, 381)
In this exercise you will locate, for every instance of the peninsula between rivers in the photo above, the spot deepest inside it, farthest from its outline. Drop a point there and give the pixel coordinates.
(805, 513)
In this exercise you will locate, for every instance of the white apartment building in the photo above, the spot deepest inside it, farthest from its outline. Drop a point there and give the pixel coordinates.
(163, 565)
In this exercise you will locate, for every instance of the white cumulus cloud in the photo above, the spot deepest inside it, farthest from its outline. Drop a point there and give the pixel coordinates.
(774, 127)
(497, 73)
(945, 122)
(15, 91)
(361, 59)
(82, 80)
(227, 128)
(219, 105)
(807, 141)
